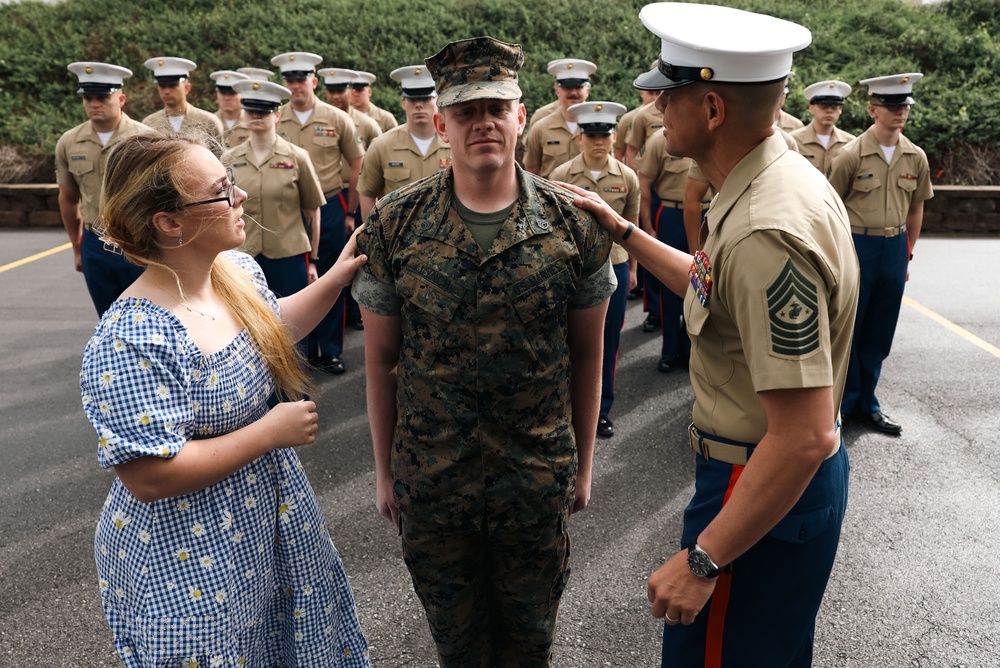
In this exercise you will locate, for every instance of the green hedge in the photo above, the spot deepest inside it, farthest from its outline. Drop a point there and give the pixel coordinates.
(955, 44)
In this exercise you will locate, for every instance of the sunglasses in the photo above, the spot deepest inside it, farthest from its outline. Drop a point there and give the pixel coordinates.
(230, 193)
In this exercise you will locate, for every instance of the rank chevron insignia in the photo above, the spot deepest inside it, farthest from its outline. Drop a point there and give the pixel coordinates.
(793, 313)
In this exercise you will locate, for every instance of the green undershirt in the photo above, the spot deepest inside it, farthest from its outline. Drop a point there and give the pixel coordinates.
(484, 227)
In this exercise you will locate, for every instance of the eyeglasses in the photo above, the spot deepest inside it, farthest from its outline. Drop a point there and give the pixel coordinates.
(359, 87)
(230, 193)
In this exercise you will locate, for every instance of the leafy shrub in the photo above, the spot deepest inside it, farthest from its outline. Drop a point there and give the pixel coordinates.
(955, 44)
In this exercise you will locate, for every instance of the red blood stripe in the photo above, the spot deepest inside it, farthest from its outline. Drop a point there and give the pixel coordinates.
(720, 599)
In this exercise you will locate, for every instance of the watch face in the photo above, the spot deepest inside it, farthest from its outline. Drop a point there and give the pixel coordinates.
(700, 563)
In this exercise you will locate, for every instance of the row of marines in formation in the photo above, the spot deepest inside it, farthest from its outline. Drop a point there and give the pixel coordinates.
(327, 163)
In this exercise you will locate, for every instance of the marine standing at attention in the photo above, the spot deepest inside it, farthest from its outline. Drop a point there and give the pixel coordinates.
(821, 140)
(484, 291)
(178, 115)
(81, 154)
(884, 180)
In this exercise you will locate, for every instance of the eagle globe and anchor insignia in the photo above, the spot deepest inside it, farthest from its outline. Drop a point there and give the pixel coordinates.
(793, 313)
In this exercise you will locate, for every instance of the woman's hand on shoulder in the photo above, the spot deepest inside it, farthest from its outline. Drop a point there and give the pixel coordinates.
(348, 263)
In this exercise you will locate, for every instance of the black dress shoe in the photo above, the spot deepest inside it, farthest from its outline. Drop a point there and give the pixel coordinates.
(652, 323)
(331, 364)
(605, 429)
(635, 294)
(359, 325)
(665, 366)
(879, 421)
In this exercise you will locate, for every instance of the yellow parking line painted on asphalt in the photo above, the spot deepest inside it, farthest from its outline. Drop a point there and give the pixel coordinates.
(949, 325)
(36, 256)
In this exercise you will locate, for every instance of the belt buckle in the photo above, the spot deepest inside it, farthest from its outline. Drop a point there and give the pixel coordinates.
(696, 438)
(891, 232)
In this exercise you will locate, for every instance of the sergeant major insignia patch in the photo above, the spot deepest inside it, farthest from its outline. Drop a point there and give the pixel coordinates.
(793, 313)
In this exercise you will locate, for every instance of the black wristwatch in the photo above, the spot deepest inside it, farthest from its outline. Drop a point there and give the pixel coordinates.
(701, 564)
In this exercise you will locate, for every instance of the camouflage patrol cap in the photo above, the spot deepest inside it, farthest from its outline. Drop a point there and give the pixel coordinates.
(482, 68)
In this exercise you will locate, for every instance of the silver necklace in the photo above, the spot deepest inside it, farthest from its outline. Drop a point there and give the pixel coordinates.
(202, 313)
(182, 302)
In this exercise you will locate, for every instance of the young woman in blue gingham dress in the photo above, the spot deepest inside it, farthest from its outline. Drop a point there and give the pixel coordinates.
(240, 573)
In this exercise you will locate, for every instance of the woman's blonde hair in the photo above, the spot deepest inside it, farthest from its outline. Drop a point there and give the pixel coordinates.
(142, 179)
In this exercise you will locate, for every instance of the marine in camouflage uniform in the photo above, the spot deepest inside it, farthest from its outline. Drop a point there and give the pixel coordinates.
(478, 425)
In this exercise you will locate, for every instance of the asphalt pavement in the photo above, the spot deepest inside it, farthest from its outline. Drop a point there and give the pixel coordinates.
(915, 584)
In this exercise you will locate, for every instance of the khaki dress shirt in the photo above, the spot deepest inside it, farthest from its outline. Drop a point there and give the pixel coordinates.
(278, 189)
(780, 306)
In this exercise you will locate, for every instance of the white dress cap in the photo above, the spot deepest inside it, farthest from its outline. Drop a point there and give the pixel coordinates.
(296, 64)
(571, 72)
(365, 78)
(893, 89)
(597, 117)
(415, 80)
(169, 70)
(719, 44)
(261, 95)
(827, 92)
(99, 78)
(256, 73)
(337, 77)
(224, 79)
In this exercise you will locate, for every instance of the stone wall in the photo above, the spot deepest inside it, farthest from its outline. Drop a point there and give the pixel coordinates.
(954, 210)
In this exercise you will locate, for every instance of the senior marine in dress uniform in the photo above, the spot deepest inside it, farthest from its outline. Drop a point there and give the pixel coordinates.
(409, 152)
(821, 140)
(550, 141)
(178, 115)
(770, 306)
(666, 176)
(81, 154)
(361, 99)
(884, 180)
(230, 111)
(483, 282)
(282, 192)
(327, 134)
(595, 169)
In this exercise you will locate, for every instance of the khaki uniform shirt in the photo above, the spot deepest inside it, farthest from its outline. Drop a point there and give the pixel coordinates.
(812, 148)
(543, 111)
(878, 194)
(669, 172)
(385, 120)
(81, 158)
(648, 121)
(624, 125)
(366, 129)
(195, 120)
(278, 188)
(393, 161)
(617, 185)
(228, 140)
(327, 136)
(783, 293)
(550, 144)
(788, 123)
(484, 422)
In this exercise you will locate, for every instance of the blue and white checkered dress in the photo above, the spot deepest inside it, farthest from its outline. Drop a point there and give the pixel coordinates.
(242, 573)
